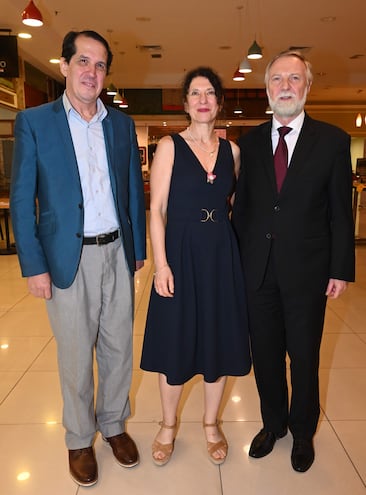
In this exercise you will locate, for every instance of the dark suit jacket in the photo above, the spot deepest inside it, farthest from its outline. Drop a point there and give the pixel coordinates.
(45, 168)
(309, 224)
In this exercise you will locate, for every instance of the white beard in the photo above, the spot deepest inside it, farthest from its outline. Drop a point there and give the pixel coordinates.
(287, 108)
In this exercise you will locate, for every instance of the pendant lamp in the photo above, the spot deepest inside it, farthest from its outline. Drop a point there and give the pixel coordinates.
(32, 16)
(117, 98)
(111, 90)
(238, 110)
(238, 76)
(124, 102)
(255, 51)
(245, 67)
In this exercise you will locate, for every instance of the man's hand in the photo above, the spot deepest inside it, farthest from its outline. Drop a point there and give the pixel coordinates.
(40, 285)
(335, 288)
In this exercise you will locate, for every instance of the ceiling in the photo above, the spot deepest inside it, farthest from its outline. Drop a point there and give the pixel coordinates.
(154, 43)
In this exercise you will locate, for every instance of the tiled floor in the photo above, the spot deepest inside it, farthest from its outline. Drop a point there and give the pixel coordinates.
(32, 437)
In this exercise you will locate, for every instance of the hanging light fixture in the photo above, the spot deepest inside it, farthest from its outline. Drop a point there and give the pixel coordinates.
(117, 98)
(238, 76)
(255, 51)
(238, 110)
(124, 102)
(111, 90)
(269, 110)
(245, 67)
(359, 120)
(32, 16)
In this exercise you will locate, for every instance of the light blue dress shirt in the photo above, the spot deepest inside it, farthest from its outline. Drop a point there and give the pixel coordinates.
(88, 139)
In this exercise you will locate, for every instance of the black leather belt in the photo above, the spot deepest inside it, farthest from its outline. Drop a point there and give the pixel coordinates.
(101, 238)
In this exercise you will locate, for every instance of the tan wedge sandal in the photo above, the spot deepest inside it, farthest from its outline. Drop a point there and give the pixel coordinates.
(213, 447)
(165, 448)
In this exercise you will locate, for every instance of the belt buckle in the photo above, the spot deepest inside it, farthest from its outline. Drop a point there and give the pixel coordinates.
(99, 239)
(209, 215)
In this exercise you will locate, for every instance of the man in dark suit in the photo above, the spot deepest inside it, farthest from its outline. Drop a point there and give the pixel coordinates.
(78, 215)
(297, 248)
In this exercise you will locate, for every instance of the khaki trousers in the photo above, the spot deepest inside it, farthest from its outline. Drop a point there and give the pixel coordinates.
(95, 316)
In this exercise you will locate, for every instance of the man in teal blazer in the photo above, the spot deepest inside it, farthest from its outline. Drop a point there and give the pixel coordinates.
(78, 216)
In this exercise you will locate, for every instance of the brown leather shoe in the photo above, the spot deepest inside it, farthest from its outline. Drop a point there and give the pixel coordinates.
(124, 450)
(83, 466)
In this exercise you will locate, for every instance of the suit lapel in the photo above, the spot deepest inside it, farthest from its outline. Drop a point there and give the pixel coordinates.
(61, 122)
(65, 136)
(304, 146)
(109, 145)
(266, 153)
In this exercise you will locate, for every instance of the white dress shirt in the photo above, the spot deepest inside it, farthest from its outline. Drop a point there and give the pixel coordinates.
(291, 137)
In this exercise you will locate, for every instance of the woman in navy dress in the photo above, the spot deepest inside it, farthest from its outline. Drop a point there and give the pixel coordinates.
(197, 317)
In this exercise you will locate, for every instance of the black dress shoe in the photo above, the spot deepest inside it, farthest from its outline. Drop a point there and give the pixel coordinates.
(124, 450)
(83, 466)
(302, 455)
(263, 443)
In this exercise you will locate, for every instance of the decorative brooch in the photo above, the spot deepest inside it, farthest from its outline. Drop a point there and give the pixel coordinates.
(211, 177)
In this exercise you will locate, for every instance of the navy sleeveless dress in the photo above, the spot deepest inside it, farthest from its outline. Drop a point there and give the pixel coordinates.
(203, 329)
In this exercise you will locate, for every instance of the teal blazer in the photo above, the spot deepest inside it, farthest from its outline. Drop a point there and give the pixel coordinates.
(46, 200)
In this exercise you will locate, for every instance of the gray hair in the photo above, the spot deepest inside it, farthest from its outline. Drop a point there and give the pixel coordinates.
(291, 53)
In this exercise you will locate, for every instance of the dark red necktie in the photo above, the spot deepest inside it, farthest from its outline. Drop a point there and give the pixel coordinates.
(281, 157)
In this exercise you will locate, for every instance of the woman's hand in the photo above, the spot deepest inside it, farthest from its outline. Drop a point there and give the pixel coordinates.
(164, 281)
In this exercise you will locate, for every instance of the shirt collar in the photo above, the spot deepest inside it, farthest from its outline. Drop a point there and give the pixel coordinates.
(295, 124)
(99, 116)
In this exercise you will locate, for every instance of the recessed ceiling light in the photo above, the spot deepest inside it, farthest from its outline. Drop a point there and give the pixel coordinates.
(225, 47)
(23, 476)
(24, 36)
(54, 60)
(329, 18)
(149, 48)
(143, 19)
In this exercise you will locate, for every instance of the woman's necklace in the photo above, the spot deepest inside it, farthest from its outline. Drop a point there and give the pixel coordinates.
(210, 175)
